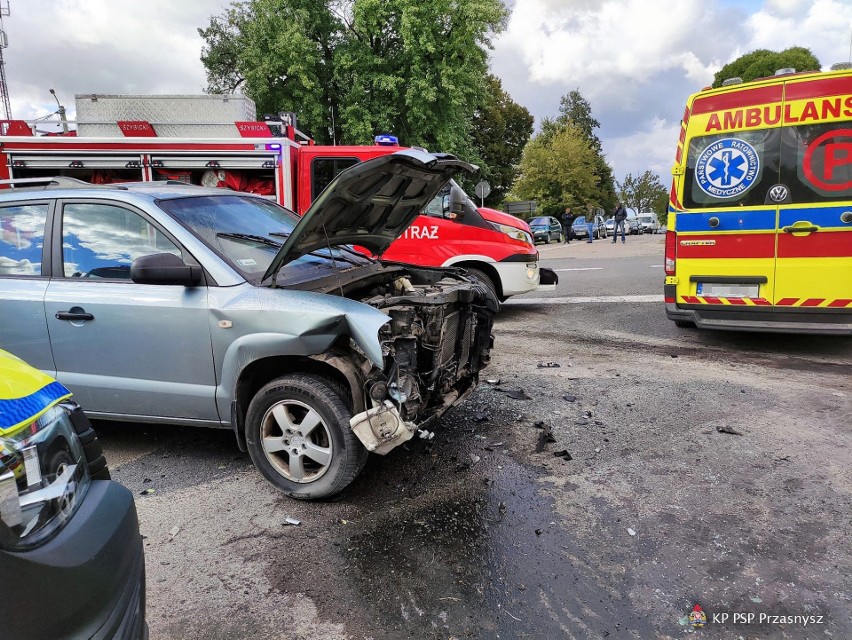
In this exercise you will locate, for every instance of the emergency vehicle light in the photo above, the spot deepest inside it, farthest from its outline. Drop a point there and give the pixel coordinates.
(729, 81)
(785, 71)
(840, 66)
(273, 147)
(387, 140)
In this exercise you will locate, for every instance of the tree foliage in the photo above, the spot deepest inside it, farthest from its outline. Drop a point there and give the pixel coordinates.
(557, 169)
(501, 129)
(763, 62)
(575, 116)
(351, 69)
(644, 193)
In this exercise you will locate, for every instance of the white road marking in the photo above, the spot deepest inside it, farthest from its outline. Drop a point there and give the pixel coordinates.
(582, 269)
(657, 266)
(583, 300)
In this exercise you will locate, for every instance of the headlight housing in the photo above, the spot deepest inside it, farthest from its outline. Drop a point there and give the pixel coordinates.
(513, 232)
(43, 479)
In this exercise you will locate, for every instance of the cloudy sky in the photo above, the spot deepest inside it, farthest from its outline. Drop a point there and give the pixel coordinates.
(636, 61)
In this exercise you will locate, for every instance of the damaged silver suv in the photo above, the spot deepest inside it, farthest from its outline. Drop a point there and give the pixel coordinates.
(184, 305)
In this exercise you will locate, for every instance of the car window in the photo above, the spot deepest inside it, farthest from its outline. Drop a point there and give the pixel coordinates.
(22, 239)
(540, 221)
(102, 240)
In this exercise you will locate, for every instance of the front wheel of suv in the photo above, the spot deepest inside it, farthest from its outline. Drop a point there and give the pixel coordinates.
(299, 438)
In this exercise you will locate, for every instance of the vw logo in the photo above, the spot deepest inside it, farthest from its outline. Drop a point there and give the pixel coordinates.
(778, 193)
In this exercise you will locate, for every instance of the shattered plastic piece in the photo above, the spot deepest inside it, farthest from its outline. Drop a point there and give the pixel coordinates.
(548, 365)
(756, 600)
(631, 531)
(563, 454)
(683, 621)
(730, 430)
(146, 492)
(292, 521)
(174, 531)
(538, 532)
(480, 416)
(493, 381)
(425, 435)
(515, 394)
(474, 458)
(570, 398)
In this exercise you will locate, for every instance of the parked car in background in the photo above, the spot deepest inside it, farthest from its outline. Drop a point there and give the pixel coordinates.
(610, 226)
(224, 309)
(632, 226)
(70, 549)
(598, 228)
(546, 228)
(649, 223)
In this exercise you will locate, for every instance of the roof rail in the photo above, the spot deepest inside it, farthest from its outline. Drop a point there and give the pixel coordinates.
(56, 182)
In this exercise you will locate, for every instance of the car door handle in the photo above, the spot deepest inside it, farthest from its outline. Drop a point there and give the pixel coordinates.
(795, 229)
(68, 315)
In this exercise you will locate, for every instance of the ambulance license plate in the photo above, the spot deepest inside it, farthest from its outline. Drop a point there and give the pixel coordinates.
(727, 290)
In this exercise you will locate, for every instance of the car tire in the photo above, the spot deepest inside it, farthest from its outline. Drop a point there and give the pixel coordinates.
(299, 438)
(547, 239)
(483, 278)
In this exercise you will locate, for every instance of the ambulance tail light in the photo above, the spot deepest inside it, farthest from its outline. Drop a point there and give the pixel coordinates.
(671, 252)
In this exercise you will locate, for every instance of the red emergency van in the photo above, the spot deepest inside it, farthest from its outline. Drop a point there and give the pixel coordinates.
(128, 138)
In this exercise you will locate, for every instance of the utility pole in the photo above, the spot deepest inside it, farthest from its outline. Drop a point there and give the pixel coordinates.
(4, 42)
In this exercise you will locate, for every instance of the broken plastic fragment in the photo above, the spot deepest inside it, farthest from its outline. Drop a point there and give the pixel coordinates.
(631, 531)
(730, 430)
(174, 531)
(493, 381)
(548, 365)
(563, 454)
(292, 521)
(146, 492)
(570, 398)
(425, 435)
(516, 394)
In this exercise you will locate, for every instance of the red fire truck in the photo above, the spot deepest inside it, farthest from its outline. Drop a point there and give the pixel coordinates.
(215, 140)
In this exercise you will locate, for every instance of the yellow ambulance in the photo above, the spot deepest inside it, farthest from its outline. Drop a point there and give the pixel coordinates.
(759, 234)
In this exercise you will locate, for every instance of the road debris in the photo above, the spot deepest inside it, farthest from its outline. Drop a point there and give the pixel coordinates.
(515, 394)
(493, 381)
(548, 365)
(564, 454)
(174, 531)
(569, 398)
(480, 416)
(730, 430)
(292, 521)
(147, 492)
(631, 531)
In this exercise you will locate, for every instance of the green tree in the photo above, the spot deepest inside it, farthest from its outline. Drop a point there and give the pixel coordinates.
(352, 68)
(501, 128)
(763, 62)
(575, 109)
(557, 169)
(643, 193)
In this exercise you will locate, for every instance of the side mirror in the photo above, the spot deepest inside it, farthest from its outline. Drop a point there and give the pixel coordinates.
(457, 203)
(164, 268)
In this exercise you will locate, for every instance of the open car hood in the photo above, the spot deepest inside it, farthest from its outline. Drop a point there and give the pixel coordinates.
(370, 204)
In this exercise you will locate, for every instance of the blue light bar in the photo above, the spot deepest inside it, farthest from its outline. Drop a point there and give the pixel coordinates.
(273, 147)
(386, 140)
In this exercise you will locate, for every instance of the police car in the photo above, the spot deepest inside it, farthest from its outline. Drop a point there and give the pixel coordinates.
(70, 550)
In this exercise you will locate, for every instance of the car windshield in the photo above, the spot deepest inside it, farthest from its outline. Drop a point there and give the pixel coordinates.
(580, 222)
(539, 221)
(247, 231)
(646, 218)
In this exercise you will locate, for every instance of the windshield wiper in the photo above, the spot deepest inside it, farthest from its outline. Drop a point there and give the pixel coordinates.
(249, 236)
(279, 234)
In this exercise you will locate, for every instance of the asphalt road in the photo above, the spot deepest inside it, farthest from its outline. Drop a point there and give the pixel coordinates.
(486, 533)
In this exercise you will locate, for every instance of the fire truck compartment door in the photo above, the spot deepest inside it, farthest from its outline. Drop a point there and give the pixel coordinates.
(65, 160)
(214, 161)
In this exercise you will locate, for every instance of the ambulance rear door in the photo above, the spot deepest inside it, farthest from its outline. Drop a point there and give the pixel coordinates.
(813, 271)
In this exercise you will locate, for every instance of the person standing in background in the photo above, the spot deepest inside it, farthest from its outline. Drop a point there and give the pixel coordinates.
(620, 217)
(567, 224)
(590, 222)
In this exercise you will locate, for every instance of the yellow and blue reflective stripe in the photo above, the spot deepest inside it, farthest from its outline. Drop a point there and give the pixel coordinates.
(18, 412)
